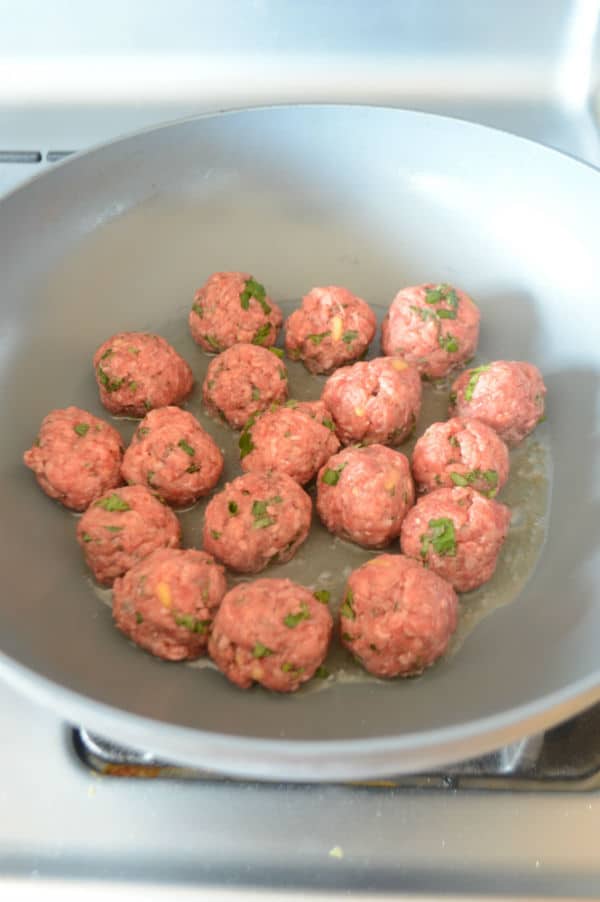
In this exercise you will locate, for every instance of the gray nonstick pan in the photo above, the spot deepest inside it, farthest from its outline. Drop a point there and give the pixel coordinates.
(369, 198)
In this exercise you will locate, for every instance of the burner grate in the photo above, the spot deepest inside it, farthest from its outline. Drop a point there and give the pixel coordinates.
(565, 758)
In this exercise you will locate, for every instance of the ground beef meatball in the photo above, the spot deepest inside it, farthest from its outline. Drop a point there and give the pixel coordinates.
(242, 380)
(378, 401)
(256, 519)
(457, 533)
(76, 457)
(270, 631)
(363, 494)
(331, 328)
(463, 452)
(295, 439)
(397, 617)
(168, 601)
(232, 307)
(507, 395)
(172, 454)
(121, 528)
(433, 327)
(136, 372)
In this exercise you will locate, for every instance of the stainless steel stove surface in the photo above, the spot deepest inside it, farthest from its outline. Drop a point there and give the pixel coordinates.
(75, 807)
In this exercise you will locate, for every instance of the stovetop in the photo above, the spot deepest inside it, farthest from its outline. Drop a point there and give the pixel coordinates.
(524, 821)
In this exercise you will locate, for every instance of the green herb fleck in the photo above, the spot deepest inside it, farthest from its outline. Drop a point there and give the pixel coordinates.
(253, 289)
(232, 508)
(255, 393)
(453, 441)
(107, 354)
(81, 428)
(291, 403)
(133, 386)
(261, 651)
(459, 479)
(329, 424)
(283, 373)
(149, 476)
(139, 617)
(147, 404)
(216, 535)
(114, 528)
(292, 669)
(332, 477)
(262, 334)
(143, 430)
(109, 384)
(245, 444)
(433, 296)
(212, 341)
(193, 468)
(185, 447)
(423, 312)
(197, 308)
(191, 623)
(441, 538)
(321, 673)
(322, 595)
(292, 620)
(113, 503)
(446, 314)
(86, 537)
(262, 519)
(349, 336)
(277, 351)
(452, 398)
(448, 343)
(473, 378)
(347, 637)
(542, 419)
(317, 337)
(346, 609)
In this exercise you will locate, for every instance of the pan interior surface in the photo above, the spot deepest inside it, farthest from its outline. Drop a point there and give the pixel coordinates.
(373, 199)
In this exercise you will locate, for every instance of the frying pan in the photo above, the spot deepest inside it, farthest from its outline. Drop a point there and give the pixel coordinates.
(371, 198)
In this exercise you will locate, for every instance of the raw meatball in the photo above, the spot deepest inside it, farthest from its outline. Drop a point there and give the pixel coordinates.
(295, 439)
(271, 631)
(378, 401)
(76, 457)
(242, 380)
(122, 527)
(167, 602)
(463, 452)
(397, 617)
(232, 307)
(136, 372)
(332, 327)
(172, 454)
(507, 395)
(434, 327)
(458, 534)
(257, 518)
(363, 494)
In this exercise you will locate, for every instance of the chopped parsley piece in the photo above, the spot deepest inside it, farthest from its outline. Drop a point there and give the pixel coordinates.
(143, 430)
(109, 384)
(473, 379)
(262, 334)
(459, 479)
(261, 516)
(322, 595)
(446, 314)
(212, 341)
(292, 620)
(261, 651)
(107, 354)
(185, 447)
(329, 424)
(197, 308)
(452, 398)
(245, 444)
(193, 468)
(282, 373)
(150, 476)
(347, 637)
(346, 609)
(147, 404)
(255, 393)
(433, 296)
(291, 669)
(232, 508)
(291, 403)
(253, 289)
(332, 477)
(277, 351)
(81, 428)
(86, 537)
(423, 312)
(139, 617)
(216, 535)
(317, 337)
(113, 503)
(191, 623)
(542, 419)
(448, 343)
(276, 499)
(114, 528)
(453, 441)
(321, 673)
(349, 336)
(133, 386)
(441, 538)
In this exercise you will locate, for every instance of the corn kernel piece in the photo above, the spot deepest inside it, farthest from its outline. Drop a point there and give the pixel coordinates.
(399, 364)
(163, 593)
(359, 411)
(337, 327)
